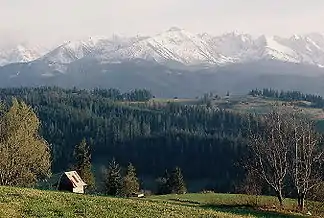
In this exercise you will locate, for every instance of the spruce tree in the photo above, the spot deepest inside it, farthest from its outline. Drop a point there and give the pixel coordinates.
(82, 156)
(176, 182)
(130, 182)
(113, 179)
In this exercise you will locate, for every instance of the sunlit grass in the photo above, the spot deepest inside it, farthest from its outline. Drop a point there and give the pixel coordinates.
(257, 206)
(15, 202)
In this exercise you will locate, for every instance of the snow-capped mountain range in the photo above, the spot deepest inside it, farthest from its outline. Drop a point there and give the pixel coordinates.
(178, 45)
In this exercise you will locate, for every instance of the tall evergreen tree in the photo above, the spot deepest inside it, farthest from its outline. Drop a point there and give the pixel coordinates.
(130, 182)
(113, 179)
(82, 156)
(176, 182)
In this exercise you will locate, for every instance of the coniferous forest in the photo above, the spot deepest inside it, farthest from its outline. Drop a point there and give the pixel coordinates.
(205, 142)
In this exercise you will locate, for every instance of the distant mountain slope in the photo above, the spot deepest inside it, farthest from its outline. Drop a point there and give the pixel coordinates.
(166, 81)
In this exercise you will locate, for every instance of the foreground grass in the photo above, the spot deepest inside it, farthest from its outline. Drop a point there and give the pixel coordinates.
(16, 202)
(262, 206)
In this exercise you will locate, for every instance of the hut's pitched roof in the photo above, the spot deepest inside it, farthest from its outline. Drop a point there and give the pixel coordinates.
(74, 177)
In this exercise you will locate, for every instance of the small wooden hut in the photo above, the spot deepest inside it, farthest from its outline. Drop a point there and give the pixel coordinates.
(71, 182)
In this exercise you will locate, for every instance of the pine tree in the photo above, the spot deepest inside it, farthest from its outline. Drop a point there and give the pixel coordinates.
(82, 156)
(130, 182)
(176, 182)
(113, 179)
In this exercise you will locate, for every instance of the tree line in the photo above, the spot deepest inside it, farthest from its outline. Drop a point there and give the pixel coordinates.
(316, 100)
(119, 183)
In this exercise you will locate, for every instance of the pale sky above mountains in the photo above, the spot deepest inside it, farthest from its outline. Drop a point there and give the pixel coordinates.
(57, 20)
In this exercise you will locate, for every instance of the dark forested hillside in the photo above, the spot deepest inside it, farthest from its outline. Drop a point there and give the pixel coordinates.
(205, 142)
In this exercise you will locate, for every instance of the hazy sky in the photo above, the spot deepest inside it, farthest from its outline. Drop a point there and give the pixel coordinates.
(54, 20)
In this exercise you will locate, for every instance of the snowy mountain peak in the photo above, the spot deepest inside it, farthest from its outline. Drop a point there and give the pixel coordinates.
(71, 51)
(179, 45)
(172, 45)
(271, 48)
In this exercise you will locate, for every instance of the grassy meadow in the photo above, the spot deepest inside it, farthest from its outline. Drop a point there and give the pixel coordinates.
(244, 205)
(16, 202)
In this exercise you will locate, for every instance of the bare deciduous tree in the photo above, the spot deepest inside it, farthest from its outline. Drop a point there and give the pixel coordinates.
(306, 157)
(269, 140)
(284, 142)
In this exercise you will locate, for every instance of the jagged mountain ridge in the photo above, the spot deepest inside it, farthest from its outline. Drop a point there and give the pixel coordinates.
(181, 46)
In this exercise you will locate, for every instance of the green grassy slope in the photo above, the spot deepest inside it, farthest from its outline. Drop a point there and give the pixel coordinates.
(16, 202)
(244, 205)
